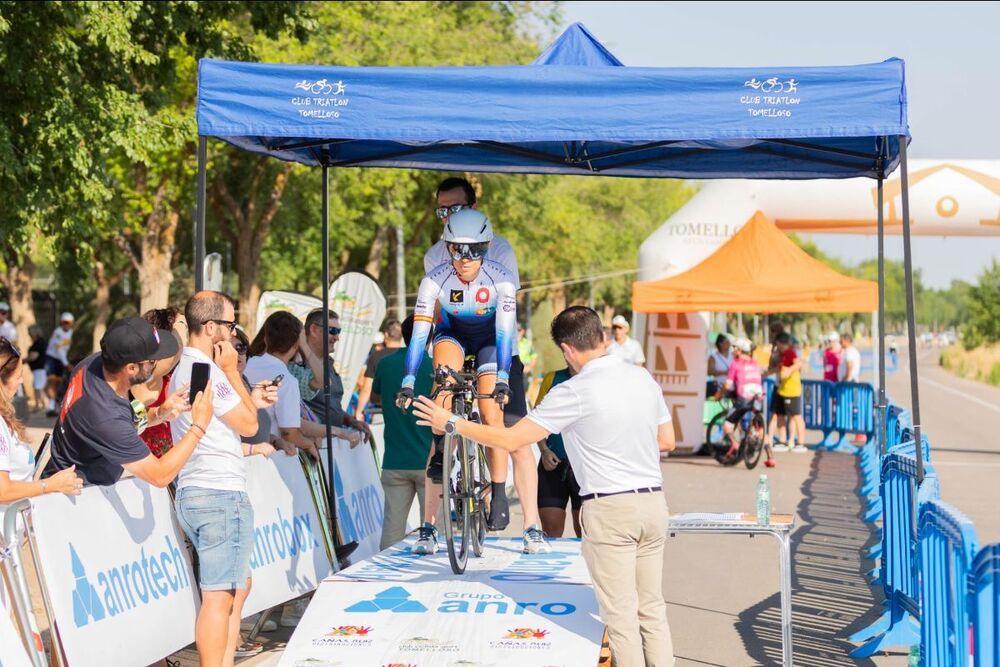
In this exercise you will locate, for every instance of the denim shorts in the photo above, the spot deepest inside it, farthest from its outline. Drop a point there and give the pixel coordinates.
(220, 526)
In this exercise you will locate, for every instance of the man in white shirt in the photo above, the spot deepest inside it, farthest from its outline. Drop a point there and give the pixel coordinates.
(621, 346)
(57, 357)
(7, 328)
(850, 361)
(212, 504)
(614, 423)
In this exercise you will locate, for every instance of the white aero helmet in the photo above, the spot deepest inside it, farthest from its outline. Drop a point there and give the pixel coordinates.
(468, 226)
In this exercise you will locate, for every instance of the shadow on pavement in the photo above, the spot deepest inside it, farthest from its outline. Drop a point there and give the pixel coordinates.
(829, 590)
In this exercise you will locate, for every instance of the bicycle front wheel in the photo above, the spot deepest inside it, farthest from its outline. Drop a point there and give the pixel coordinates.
(480, 490)
(455, 506)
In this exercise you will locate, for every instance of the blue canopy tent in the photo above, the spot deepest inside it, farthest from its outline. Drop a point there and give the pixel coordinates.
(576, 110)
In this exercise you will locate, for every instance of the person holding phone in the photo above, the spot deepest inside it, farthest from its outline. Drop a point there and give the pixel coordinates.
(212, 504)
(97, 426)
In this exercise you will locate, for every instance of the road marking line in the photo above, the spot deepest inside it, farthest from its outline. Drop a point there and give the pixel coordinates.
(968, 397)
(971, 464)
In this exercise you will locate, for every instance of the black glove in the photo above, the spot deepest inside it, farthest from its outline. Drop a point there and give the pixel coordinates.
(502, 393)
(404, 399)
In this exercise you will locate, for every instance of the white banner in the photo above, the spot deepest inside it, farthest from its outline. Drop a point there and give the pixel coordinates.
(294, 302)
(445, 623)
(502, 561)
(289, 558)
(12, 653)
(361, 304)
(360, 499)
(118, 574)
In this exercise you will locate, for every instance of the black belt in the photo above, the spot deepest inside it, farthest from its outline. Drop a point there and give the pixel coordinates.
(592, 496)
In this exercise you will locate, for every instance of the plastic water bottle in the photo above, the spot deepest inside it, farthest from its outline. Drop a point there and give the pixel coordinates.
(913, 659)
(763, 502)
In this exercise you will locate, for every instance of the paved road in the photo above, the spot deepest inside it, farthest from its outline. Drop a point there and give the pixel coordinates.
(962, 420)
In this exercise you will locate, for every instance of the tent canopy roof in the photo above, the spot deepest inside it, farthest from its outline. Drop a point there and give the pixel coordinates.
(758, 270)
(575, 111)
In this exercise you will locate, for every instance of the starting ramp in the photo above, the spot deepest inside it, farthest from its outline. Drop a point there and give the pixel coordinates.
(399, 608)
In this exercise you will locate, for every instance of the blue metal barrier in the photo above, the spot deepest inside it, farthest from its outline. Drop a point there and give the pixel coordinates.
(902, 500)
(817, 407)
(854, 412)
(984, 606)
(947, 544)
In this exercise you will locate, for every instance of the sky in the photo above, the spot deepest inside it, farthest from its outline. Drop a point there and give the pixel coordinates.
(952, 56)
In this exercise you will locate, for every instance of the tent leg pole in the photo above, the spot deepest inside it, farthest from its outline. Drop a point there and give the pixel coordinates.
(880, 322)
(911, 324)
(325, 226)
(199, 217)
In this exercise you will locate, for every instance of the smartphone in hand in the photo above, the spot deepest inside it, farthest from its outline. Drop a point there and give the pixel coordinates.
(199, 378)
(277, 380)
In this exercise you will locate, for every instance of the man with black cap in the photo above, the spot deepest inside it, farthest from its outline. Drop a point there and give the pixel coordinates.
(97, 429)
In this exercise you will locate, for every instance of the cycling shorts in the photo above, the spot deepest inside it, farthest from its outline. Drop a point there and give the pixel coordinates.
(557, 487)
(741, 406)
(482, 345)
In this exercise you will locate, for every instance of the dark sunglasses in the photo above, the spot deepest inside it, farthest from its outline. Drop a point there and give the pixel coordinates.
(443, 212)
(473, 251)
(334, 331)
(226, 323)
(15, 354)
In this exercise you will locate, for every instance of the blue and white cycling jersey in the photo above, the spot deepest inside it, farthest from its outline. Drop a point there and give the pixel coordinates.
(485, 308)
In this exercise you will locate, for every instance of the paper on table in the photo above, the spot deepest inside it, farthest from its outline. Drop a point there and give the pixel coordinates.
(687, 517)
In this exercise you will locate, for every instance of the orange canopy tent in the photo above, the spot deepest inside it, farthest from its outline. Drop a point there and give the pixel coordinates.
(758, 270)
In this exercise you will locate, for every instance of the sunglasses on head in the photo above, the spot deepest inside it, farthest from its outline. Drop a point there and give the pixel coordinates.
(15, 354)
(443, 212)
(473, 251)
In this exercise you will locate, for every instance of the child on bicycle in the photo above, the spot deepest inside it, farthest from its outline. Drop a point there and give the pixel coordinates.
(478, 317)
(745, 382)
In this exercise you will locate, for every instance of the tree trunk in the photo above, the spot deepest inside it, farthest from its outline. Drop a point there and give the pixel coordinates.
(377, 251)
(18, 279)
(102, 305)
(249, 290)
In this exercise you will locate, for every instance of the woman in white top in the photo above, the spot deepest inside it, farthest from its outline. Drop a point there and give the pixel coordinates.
(17, 461)
(719, 362)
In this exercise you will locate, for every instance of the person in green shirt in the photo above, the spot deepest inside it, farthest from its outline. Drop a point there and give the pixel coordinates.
(407, 446)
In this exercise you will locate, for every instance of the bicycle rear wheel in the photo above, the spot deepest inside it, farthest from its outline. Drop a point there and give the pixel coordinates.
(456, 517)
(753, 442)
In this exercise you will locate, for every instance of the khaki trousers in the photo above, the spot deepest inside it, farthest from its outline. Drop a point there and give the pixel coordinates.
(399, 487)
(623, 538)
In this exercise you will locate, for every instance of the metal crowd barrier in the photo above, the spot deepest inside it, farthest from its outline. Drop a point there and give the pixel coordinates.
(947, 545)
(903, 500)
(817, 408)
(984, 606)
(12, 569)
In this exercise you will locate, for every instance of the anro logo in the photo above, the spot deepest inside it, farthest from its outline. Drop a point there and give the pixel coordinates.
(282, 539)
(395, 599)
(127, 586)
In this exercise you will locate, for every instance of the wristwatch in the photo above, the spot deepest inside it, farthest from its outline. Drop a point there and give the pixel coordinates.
(451, 428)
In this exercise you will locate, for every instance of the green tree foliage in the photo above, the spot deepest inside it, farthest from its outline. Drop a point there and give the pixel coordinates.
(982, 325)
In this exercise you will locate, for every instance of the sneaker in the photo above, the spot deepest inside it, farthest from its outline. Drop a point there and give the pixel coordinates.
(799, 448)
(499, 512)
(247, 624)
(248, 649)
(770, 463)
(780, 447)
(292, 613)
(534, 541)
(427, 542)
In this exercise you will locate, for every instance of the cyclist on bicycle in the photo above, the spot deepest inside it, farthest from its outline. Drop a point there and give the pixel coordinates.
(478, 317)
(745, 383)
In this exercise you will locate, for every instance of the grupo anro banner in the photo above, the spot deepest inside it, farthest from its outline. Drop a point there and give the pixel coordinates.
(360, 302)
(445, 623)
(117, 572)
(359, 495)
(289, 556)
(297, 304)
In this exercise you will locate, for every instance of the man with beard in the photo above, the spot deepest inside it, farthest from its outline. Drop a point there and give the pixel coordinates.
(97, 429)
